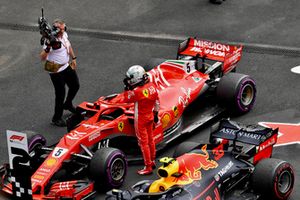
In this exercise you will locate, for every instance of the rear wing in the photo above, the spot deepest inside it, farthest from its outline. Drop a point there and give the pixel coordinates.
(225, 53)
(251, 134)
(260, 139)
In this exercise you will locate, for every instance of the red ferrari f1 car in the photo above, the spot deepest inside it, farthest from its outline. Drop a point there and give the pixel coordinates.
(193, 89)
(235, 165)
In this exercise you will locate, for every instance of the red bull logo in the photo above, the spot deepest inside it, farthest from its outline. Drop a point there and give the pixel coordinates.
(191, 164)
(183, 170)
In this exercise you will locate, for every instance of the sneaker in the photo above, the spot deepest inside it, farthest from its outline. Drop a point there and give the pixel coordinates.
(59, 123)
(70, 108)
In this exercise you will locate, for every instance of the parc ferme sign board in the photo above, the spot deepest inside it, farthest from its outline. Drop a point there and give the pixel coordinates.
(19, 164)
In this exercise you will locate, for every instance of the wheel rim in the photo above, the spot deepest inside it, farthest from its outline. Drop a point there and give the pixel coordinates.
(247, 95)
(284, 182)
(117, 169)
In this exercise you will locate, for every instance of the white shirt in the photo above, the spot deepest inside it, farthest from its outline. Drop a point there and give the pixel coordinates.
(61, 55)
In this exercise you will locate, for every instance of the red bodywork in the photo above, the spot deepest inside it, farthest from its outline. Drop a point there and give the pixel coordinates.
(179, 83)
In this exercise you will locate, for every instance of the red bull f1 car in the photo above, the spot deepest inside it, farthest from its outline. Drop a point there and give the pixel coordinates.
(235, 165)
(193, 89)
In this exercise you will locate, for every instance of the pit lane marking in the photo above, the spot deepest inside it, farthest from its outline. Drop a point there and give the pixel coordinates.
(296, 70)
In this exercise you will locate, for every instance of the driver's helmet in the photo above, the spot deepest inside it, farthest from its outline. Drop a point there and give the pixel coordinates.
(136, 75)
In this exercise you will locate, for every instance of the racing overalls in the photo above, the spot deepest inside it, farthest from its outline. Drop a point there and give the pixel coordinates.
(145, 99)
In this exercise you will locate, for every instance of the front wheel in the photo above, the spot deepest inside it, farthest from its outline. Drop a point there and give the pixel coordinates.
(273, 178)
(108, 167)
(237, 91)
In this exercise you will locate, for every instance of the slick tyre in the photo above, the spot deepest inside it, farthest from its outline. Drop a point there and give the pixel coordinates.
(273, 178)
(184, 147)
(35, 140)
(237, 91)
(108, 168)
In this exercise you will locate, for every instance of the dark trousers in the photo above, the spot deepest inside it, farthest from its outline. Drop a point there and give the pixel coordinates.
(59, 80)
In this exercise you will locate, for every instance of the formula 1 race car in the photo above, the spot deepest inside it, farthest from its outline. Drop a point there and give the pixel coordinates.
(235, 165)
(101, 135)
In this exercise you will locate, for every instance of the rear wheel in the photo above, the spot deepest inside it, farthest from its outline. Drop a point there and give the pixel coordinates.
(237, 91)
(273, 178)
(108, 167)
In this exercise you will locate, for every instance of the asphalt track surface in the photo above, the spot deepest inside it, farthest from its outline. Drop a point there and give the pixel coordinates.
(26, 98)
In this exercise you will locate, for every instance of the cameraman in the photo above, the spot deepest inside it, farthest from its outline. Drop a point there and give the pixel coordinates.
(60, 56)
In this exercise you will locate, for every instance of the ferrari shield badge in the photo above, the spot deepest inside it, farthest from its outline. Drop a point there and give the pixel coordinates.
(121, 126)
(175, 110)
(146, 93)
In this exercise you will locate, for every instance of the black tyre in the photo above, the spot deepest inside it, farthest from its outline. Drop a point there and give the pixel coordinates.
(34, 140)
(184, 147)
(237, 91)
(108, 167)
(273, 178)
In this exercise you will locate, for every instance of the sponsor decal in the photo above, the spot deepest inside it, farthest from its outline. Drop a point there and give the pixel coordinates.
(94, 136)
(225, 169)
(211, 45)
(165, 120)
(214, 52)
(177, 192)
(271, 142)
(175, 110)
(39, 177)
(58, 152)
(44, 170)
(121, 126)
(75, 135)
(152, 90)
(241, 134)
(184, 100)
(157, 77)
(36, 180)
(146, 93)
(288, 134)
(196, 79)
(51, 162)
(16, 138)
(41, 173)
(234, 57)
(90, 126)
(130, 94)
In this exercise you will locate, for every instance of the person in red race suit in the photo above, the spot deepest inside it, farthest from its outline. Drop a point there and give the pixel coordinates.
(143, 93)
